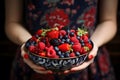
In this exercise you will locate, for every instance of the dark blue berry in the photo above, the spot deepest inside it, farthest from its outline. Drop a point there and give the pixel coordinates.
(56, 48)
(77, 53)
(72, 34)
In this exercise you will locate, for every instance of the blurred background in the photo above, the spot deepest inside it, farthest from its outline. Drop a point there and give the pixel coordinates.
(8, 49)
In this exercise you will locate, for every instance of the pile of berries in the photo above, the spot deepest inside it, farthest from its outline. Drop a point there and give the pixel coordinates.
(55, 43)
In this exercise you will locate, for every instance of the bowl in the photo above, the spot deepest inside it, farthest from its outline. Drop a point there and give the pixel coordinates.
(59, 50)
(58, 64)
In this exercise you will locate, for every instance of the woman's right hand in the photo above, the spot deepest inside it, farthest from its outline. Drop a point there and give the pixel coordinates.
(35, 67)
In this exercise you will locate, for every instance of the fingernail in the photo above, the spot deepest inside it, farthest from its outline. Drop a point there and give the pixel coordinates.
(73, 70)
(49, 72)
(26, 56)
(90, 57)
(65, 72)
(42, 69)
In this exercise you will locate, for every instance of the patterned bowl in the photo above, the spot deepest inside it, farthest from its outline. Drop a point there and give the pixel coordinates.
(58, 64)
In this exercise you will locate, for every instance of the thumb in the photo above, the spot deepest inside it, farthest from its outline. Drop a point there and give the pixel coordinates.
(93, 52)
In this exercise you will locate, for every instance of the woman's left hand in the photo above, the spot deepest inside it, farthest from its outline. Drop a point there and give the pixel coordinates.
(90, 60)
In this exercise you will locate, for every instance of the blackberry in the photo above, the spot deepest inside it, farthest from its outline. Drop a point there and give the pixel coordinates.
(54, 42)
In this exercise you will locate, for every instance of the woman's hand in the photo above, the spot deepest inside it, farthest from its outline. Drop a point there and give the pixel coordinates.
(90, 60)
(35, 67)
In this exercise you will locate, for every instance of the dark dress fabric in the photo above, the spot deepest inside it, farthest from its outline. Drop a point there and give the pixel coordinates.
(81, 13)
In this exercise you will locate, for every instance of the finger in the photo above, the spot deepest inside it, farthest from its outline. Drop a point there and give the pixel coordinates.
(82, 66)
(43, 72)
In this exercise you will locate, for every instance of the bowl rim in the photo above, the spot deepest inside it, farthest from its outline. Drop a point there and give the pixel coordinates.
(85, 54)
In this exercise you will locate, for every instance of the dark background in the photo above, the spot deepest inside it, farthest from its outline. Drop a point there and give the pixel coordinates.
(8, 49)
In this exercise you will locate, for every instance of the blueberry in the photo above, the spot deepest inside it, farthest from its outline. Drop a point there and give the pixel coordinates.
(72, 34)
(65, 37)
(83, 44)
(78, 37)
(77, 53)
(67, 40)
(67, 54)
(56, 48)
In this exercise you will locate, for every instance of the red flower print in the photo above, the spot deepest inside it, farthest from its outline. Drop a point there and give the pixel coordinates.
(31, 7)
(57, 18)
(88, 17)
(69, 2)
(104, 64)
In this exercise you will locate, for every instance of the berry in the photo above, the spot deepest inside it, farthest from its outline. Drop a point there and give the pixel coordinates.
(72, 54)
(43, 54)
(74, 40)
(41, 45)
(89, 45)
(53, 34)
(76, 47)
(62, 32)
(54, 42)
(64, 47)
(32, 48)
(39, 32)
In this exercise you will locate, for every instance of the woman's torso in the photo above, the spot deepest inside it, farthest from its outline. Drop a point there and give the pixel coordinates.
(70, 13)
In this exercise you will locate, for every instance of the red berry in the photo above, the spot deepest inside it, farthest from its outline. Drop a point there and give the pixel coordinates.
(74, 40)
(41, 46)
(64, 47)
(53, 34)
(76, 47)
(89, 45)
(85, 38)
(72, 54)
(51, 52)
(43, 54)
(32, 48)
(62, 32)
(39, 32)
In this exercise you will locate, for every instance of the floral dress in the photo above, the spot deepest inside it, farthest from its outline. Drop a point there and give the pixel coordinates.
(70, 13)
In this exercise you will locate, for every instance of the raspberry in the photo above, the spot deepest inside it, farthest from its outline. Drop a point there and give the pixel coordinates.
(32, 48)
(51, 52)
(74, 40)
(62, 32)
(41, 45)
(72, 54)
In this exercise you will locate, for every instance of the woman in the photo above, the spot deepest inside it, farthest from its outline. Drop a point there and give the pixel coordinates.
(80, 12)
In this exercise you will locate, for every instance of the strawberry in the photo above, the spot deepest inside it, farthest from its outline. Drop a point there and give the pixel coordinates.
(64, 47)
(76, 47)
(41, 45)
(53, 34)
(84, 49)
